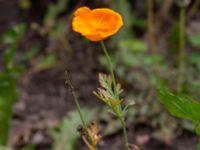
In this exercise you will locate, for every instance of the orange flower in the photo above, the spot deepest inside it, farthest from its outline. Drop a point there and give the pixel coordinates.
(96, 24)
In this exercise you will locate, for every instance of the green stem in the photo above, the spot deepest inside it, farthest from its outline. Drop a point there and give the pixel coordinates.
(181, 49)
(151, 37)
(82, 118)
(110, 67)
(124, 132)
(150, 19)
(118, 113)
(112, 75)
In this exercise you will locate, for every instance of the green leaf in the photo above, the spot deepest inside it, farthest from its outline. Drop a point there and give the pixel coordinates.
(181, 106)
(57, 31)
(7, 97)
(46, 62)
(66, 135)
(8, 87)
(195, 40)
(197, 129)
(54, 10)
(194, 59)
(14, 34)
(135, 45)
(12, 38)
(129, 59)
(129, 53)
(5, 148)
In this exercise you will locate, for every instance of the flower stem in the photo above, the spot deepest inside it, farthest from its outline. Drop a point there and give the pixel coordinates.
(79, 110)
(110, 67)
(151, 37)
(112, 75)
(181, 49)
(116, 95)
(82, 118)
(124, 132)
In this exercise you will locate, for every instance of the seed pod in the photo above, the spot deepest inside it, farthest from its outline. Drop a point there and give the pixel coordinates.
(183, 3)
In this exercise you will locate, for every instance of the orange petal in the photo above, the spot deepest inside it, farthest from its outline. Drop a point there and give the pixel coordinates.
(107, 21)
(96, 24)
(80, 22)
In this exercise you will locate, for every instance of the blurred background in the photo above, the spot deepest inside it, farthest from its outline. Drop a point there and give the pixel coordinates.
(38, 46)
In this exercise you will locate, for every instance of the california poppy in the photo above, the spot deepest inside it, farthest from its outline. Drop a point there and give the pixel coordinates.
(96, 24)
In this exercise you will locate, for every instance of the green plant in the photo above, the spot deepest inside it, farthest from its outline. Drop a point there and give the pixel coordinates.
(65, 135)
(182, 20)
(151, 36)
(103, 23)
(5, 148)
(8, 77)
(110, 92)
(46, 63)
(181, 49)
(128, 57)
(181, 106)
(91, 143)
(194, 40)
(54, 26)
(192, 83)
(54, 10)
(174, 38)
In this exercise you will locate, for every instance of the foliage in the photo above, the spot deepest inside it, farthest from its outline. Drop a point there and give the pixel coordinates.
(65, 135)
(129, 56)
(182, 106)
(194, 40)
(55, 28)
(46, 63)
(54, 10)
(12, 37)
(194, 60)
(23, 148)
(123, 7)
(130, 21)
(8, 80)
(107, 94)
(25, 4)
(7, 97)
(5, 148)
(174, 37)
